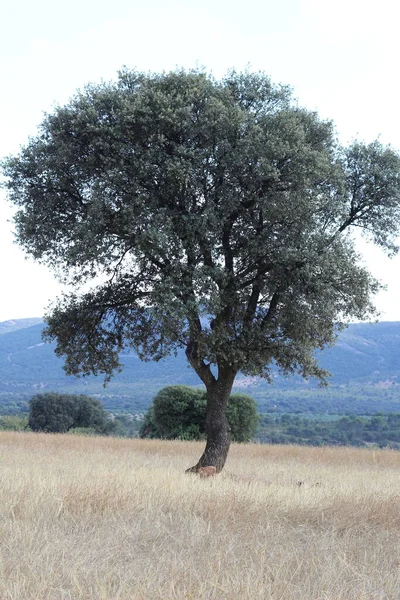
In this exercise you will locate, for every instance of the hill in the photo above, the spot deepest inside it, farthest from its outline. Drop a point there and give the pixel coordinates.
(365, 367)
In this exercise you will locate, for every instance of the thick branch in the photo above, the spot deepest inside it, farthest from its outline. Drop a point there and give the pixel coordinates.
(252, 303)
(273, 305)
(202, 369)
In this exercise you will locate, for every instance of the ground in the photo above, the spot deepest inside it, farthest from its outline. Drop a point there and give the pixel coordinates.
(117, 519)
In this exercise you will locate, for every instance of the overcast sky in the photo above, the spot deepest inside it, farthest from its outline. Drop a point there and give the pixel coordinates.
(341, 58)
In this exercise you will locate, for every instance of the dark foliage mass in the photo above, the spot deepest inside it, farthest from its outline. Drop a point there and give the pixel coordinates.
(201, 197)
(58, 413)
(179, 412)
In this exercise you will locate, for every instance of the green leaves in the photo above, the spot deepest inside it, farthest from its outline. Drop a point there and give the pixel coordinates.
(373, 190)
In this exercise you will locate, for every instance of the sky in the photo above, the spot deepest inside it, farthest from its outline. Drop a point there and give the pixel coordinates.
(341, 59)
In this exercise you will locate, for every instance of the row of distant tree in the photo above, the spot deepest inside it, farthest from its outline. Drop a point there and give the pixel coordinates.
(178, 412)
(333, 400)
(382, 430)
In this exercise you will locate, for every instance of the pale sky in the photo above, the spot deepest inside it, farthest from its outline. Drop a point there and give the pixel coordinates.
(341, 58)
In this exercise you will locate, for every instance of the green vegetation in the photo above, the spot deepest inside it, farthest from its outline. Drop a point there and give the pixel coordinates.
(242, 417)
(179, 412)
(59, 413)
(14, 423)
(331, 400)
(176, 412)
(382, 430)
(221, 213)
(127, 425)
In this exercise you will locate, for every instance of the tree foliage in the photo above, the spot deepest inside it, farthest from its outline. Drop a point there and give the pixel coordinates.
(59, 413)
(179, 411)
(200, 197)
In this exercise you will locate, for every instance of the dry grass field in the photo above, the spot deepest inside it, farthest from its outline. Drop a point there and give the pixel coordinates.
(113, 519)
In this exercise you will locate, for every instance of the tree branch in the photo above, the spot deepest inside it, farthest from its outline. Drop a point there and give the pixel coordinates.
(273, 305)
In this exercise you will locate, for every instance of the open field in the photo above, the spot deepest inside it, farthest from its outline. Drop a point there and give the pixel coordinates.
(113, 519)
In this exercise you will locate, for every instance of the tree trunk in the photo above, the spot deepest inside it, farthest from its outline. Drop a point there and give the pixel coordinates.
(217, 426)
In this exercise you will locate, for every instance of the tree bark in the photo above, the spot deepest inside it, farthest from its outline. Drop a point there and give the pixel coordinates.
(217, 426)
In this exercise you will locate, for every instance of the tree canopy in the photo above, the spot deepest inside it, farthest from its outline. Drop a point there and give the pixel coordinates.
(218, 216)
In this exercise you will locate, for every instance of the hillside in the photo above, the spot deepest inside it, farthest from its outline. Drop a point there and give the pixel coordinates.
(365, 367)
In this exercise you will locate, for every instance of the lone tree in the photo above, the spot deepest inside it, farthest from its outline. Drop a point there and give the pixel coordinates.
(218, 214)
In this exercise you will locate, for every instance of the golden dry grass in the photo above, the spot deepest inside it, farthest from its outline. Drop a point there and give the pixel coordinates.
(111, 519)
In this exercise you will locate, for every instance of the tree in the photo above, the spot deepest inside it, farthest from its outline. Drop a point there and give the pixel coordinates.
(218, 214)
(179, 411)
(58, 413)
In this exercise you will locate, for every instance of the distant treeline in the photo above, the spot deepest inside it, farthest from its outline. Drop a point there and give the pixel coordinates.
(332, 400)
(382, 430)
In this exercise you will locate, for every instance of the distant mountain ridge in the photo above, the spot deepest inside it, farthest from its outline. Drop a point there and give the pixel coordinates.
(366, 357)
(15, 324)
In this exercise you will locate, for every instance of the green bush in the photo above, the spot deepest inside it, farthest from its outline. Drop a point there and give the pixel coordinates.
(13, 423)
(59, 413)
(179, 412)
